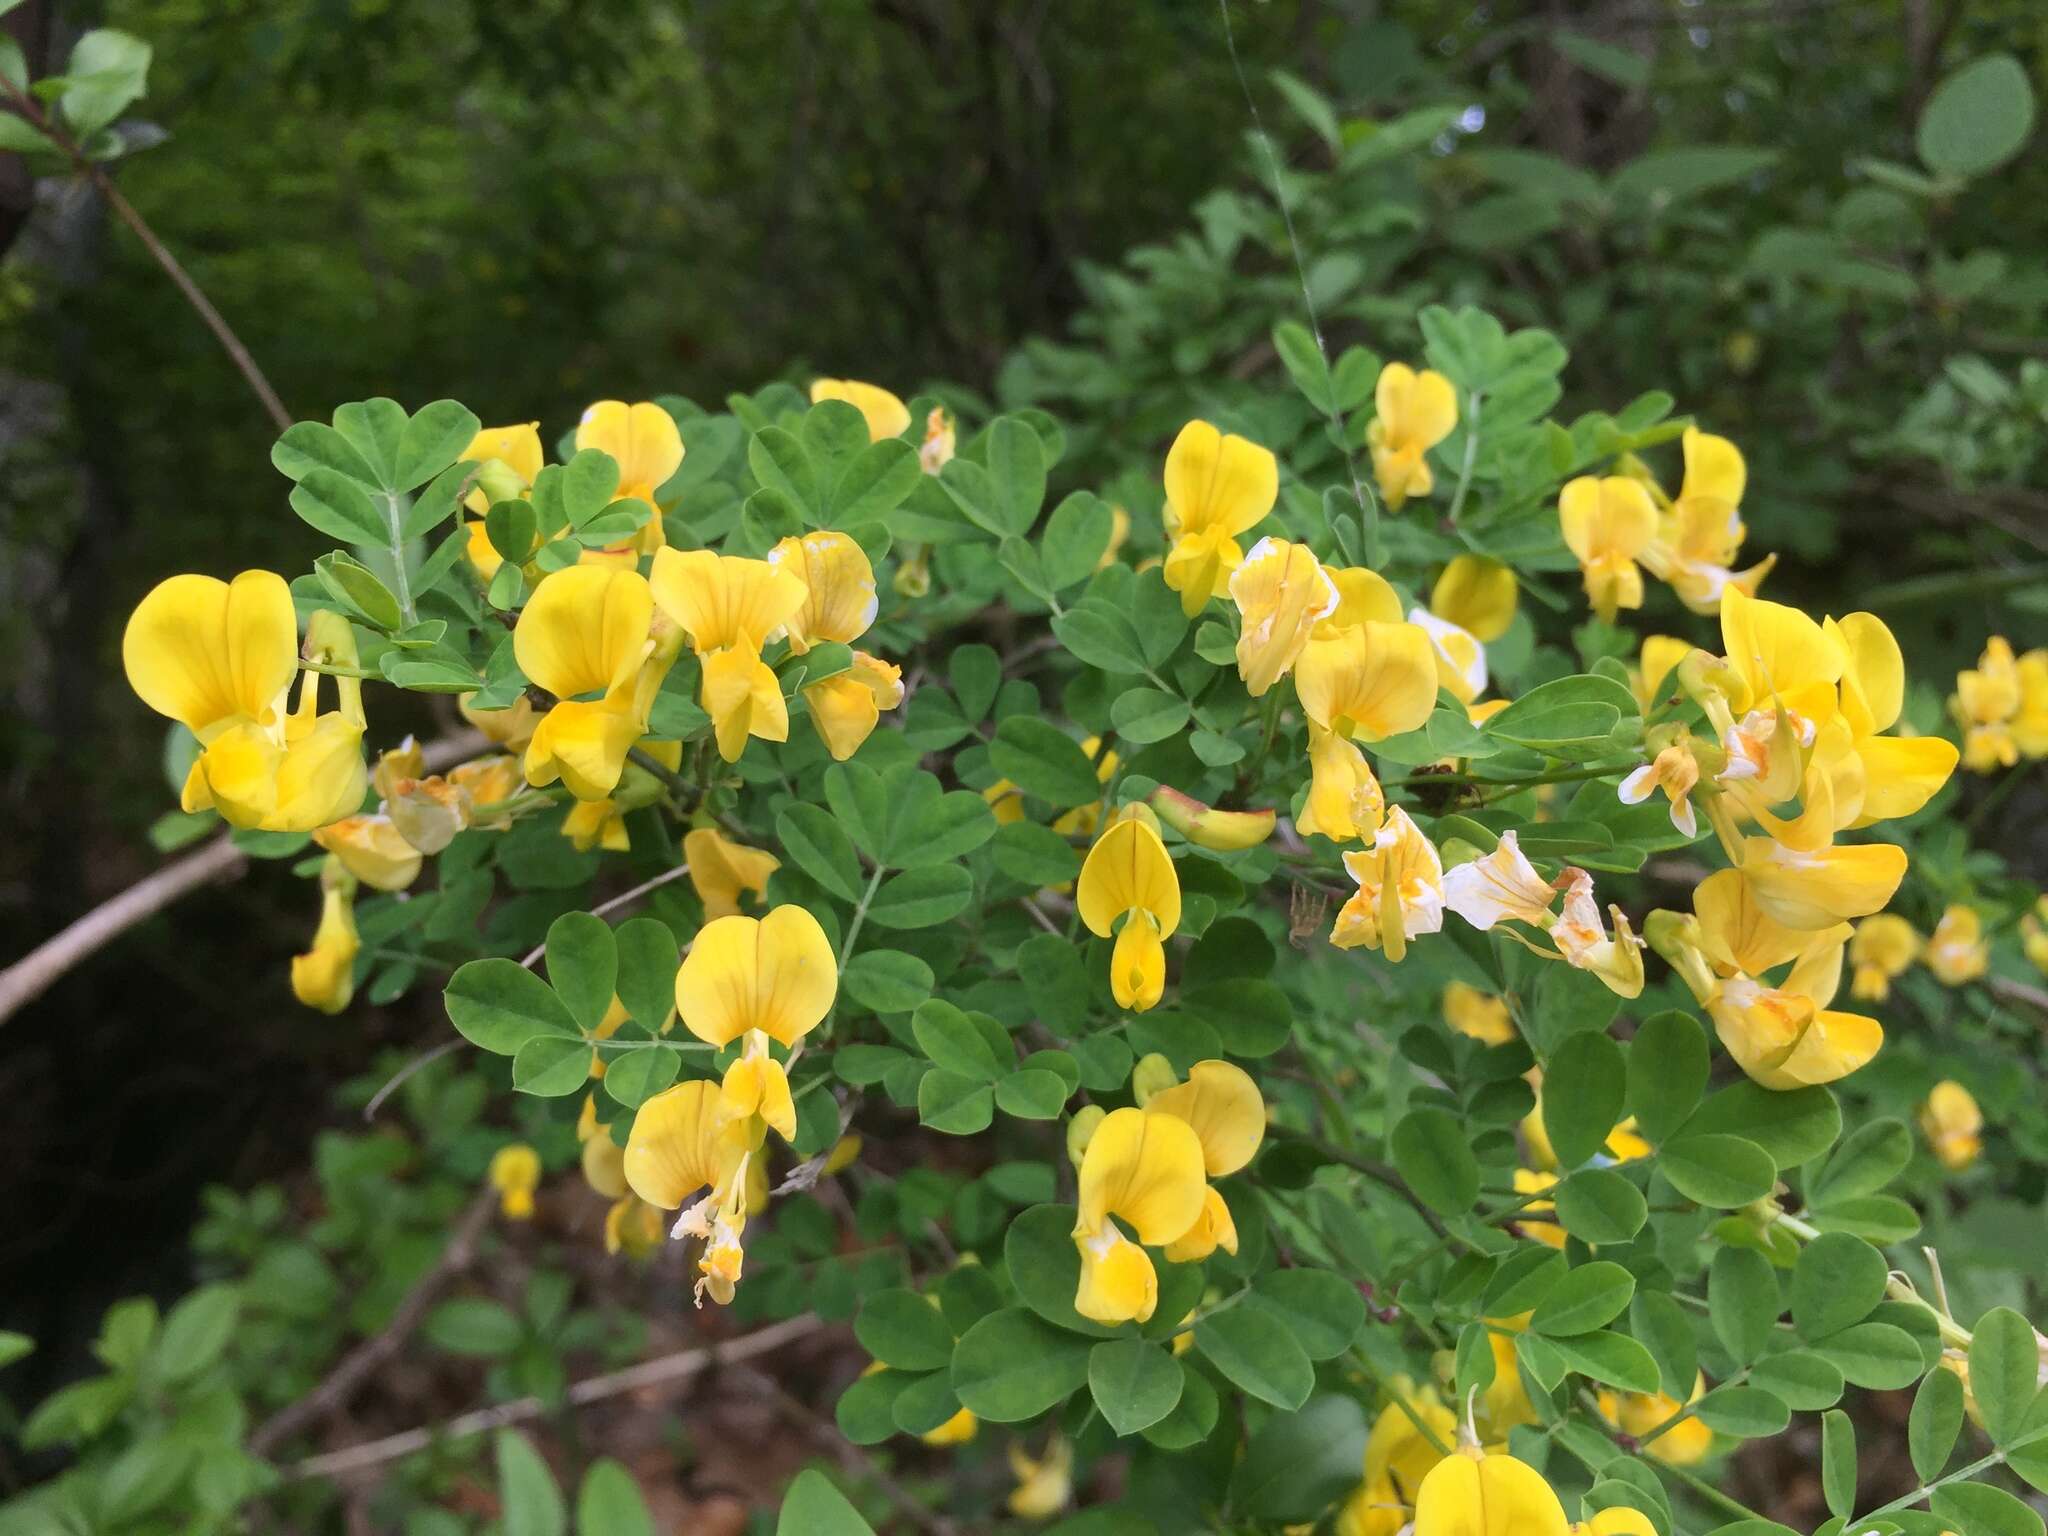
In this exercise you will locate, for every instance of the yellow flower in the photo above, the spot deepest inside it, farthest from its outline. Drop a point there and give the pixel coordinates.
(1415, 412)
(1282, 593)
(643, 441)
(1207, 827)
(1816, 889)
(515, 1174)
(1119, 532)
(1129, 876)
(324, 977)
(1345, 802)
(1883, 947)
(1699, 534)
(1369, 681)
(721, 870)
(1361, 595)
(1607, 524)
(1475, 1494)
(1953, 1125)
(682, 1142)
(761, 979)
(743, 697)
(508, 458)
(1501, 885)
(2030, 724)
(1957, 951)
(1637, 1413)
(1658, 658)
(604, 1165)
(958, 1430)
(632, 1227)
(1785, 1036)
(1582, 939)
(940, 436)
(488, 782)
(1217, 487)
(1675, 771)
(1400, 890)
(511, 727)
(886, 415)
(1223, 1107)
(1986, 699)
(846, 707)
(1619, 1519)
(839, 588)
(219, 657)
(589, 630)
(1900, 773)
(1472, 604)
(1481, 1015)
(597, 824)
(371, 849)
(1147, 1170)
(730, 607)
(1044, 1486)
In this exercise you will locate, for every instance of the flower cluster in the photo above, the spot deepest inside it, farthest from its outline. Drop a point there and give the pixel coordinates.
(2001, 707)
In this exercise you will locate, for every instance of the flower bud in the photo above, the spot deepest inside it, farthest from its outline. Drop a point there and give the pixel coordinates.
(1081, 1130)
(1152, 1075)
(499, 481)
(1207, 827)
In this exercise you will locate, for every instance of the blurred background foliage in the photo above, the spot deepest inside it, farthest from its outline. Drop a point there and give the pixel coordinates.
(534, 206)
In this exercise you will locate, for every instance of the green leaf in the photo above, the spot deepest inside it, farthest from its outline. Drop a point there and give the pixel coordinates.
(1322, 1310)
(1102, 636)
(1045, 1268)
(1432, 1152)
(1305, 364)
(1135, 1382)
(950, 1038)
(1032, 1094)
(1034, 855)
(1016, 472)
(904, 1331)
(1598, 1205)
(1299, 1464)
(646, 949)
(1978, 1509)
(1934, 1423)
(432, 440)
(953, 1104)
(1742, 1302)
(1869, 1158)
(1585, 1084)
(782, 464)
(866, 1411)
(1667, 1072)
(1720, 1171)
(1666, 176)
(1978, 118)
(887, 980)
(1875, 1355)
(948, 829)
(609, 1502)
(819, 846)
(920, 898)
(197, 1332)
(1012, 1366)
(1043, 760)
(107, 73)
(1193, 1417)
(1806, 1382)
(356, 586)
(1251, 1017)
(813, 1507)
(499, 1005)
(339, 507)
(1575, 711)
(1836, 1281)
(924, 1404)
(1794, 1126)
(1838, 1462)
(583, 966)
(550, 1067)
(632, 1078)
(473, 1325)
(2004, 1370)
(1661, 1326)
(1612, 1358)
(1145, 715)
(143, 1478)
(1255, 1350)
(1748, 1412)
(1075, 537)
(14, 1346)
(875, 482)
(1589, 1297)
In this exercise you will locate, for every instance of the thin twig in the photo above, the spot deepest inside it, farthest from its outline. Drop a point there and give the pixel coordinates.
(362, 1362)
(649, 1373)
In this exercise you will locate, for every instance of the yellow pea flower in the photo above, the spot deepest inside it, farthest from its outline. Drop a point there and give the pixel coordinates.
(721, 870)
(958, 1430)
(219, 657)
(743, 697)
(644, 442)
(1986, 699)
(1217, 487)
(1207, 827)
(1818, 888)
(1282, 593)
(1675, 771)
(1785, 1036)
(2030, 723)
(1147, 1170)
(1129, 877)
(681, 1142)
(1582, 939)
(597, 824)
(1637, 1413)
(1369, 681)
(839, 588)
(632, 1227)
(604, 1165)
(1414, 412)
(589, 629)
(1223, 1107)
(1900, 773)
(1479, 1015)
(1045, 1486)
(1957, 951)
(1953, 1125)
(1498, 886)
(488, 782)
(1471, 1493)
(1699, 534)
(1472, 604)
(1119, 533)
(730, 607)
(510, 459)
(1400, 890)
(515, 1174)
(511, 727)
(1657, 659)
(1398, 1456)
(1345, 802)
(940, 438)
(1618, 1520)
(324, 977)
(1607, 524)
(758, 979)
(886, 415)
(371, 849)
(1884, 945)
(1362, 595)
(847, 707)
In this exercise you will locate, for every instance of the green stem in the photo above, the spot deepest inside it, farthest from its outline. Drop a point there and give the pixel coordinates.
(1905, 1501)
(336, 669)
(860, 916)
(394, 515)
(1422, 1426)
(1471, 460)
